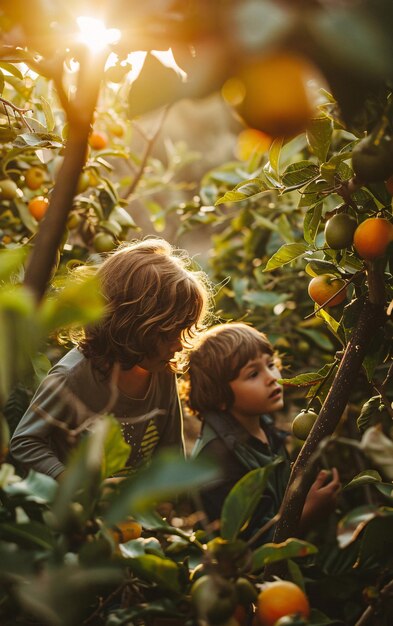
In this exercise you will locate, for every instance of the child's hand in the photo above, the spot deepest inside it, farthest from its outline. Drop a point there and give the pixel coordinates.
(321, 499)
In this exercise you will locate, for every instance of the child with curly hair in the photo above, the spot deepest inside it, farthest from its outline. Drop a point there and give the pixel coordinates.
(124, 364)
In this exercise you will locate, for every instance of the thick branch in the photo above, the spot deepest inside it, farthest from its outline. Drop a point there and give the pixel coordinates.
(302, 474)
(52, 227)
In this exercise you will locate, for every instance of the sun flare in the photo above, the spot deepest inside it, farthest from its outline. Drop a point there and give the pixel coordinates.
(95, 35)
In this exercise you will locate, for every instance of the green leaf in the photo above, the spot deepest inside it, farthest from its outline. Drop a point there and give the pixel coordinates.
(302, 380)
(252, 188)
(35, 488)
(312, 221)
(12, 69)
(352, 524)
(330, 321)
(243, 499)
(274, 155)
(78, 302)
(369, 409)
(319, 135)
(49, 117)
(116, 450)
(272, 552)
(298, 174)
(11, 260)
(287, 253)
(167, 476)
(29, 535)
(161, 571)
(367, 477)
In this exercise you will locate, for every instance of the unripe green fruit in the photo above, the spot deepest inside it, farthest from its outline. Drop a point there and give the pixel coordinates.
(103, 242)
(303, 423)
(246, 592)
(339, 231)
(371, 161)
(214, 598)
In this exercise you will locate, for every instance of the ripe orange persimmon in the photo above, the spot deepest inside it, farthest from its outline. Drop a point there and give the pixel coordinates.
(324, 286)
(98, 140)
(280, 598)
(274, 94)
(126, 531)
(38, 207)
(372, 237)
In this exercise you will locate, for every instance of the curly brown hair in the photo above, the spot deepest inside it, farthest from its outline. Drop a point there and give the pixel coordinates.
(151, 292)
(216, 359)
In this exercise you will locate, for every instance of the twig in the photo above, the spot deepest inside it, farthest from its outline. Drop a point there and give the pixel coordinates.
(370, 611)
(18, 110)
(380, 387)
(150, 143)
(103, 603)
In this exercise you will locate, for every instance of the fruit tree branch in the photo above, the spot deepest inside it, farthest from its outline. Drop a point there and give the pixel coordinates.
(52, 227)
(302, 474)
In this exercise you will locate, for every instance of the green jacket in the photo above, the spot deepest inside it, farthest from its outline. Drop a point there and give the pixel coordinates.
(236, 452)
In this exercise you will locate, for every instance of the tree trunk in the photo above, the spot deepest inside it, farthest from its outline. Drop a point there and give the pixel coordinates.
(50, 234)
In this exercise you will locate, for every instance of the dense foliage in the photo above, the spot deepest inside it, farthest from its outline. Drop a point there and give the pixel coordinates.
(310, 201)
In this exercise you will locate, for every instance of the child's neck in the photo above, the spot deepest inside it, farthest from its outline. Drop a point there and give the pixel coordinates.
(134, 382)
(252, 424)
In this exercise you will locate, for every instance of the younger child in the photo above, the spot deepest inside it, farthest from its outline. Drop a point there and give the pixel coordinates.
(122, 365)
(233, 388)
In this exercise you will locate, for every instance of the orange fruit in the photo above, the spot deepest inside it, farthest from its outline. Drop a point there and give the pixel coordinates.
(34, 177)
(38, 207)
(98, 140)
(280, 598)
(126, 531)
(251, 141)
(372, 237)
(324, 286)
(274, 94)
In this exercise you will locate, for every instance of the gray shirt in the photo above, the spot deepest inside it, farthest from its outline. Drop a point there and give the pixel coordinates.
(74, 391)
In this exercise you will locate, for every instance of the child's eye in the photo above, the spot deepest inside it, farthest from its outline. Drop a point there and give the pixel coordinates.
(253, 374)
(271, 365)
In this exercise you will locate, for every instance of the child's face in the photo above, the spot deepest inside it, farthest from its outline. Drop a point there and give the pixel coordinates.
(165, 351)
(256, 389)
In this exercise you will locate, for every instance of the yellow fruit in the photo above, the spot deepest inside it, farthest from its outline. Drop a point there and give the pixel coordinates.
(324, 286)
(372, 237)
(281, 598)
(276, 98)
(38, 207)
(8, 189)
(83, 182)
(34, 177)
